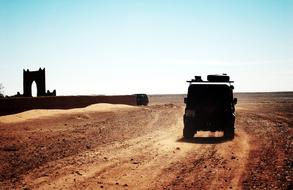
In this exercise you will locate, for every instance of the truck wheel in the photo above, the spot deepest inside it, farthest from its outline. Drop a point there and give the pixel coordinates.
(229, 132)
(188, 132)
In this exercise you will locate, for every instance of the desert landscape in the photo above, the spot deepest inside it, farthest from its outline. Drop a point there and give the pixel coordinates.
(108, 95)
(106, 146)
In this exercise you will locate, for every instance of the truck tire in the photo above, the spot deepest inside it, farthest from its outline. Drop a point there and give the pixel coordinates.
(188, 131)
(229, 132)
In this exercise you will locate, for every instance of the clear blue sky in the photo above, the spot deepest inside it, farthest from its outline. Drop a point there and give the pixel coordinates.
(151, 46)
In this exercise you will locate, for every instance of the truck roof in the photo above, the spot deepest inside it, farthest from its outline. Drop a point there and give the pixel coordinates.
(199, 92)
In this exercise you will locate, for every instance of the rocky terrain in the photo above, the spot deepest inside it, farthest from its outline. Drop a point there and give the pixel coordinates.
(106, 146)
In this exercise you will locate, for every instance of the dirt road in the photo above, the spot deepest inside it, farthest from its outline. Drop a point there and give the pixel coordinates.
(124, 147)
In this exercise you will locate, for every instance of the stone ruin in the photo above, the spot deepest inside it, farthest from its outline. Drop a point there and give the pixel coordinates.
(39, 77)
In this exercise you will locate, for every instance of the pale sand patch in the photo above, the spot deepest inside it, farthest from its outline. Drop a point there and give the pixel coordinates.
(41, 113)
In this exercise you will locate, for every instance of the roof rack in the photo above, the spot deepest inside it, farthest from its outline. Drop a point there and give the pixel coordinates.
(211, 79)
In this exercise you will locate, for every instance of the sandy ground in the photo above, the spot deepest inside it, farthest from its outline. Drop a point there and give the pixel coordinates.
(108, 146)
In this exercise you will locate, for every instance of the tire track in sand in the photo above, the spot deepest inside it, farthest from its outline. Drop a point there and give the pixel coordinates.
(156, 160)
(135, 162)
(216, 164)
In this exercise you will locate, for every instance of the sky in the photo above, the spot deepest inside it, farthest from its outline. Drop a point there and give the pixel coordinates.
(146, 46)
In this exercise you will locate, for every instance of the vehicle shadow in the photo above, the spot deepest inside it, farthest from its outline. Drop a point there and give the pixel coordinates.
(204, 140)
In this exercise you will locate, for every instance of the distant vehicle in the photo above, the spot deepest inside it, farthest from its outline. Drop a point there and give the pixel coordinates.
(210, 106)
(142, 99)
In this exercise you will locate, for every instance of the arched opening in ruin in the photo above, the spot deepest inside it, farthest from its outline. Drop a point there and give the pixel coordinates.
(34, 89)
